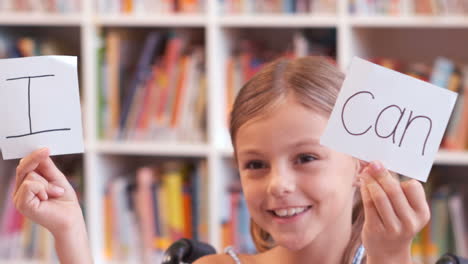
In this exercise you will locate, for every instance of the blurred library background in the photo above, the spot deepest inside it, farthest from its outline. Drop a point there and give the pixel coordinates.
(157, 82)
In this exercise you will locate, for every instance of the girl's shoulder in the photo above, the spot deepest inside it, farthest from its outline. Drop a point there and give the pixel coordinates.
(231, 257)
(215, 259)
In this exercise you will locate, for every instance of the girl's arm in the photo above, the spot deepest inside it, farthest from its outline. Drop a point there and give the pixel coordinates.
(43, 194)
(394, 213)
(72, 245)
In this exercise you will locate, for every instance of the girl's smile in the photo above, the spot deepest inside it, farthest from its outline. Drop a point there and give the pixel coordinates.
(289, 215)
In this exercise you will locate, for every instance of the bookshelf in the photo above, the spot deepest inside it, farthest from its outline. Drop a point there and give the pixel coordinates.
(355, 35)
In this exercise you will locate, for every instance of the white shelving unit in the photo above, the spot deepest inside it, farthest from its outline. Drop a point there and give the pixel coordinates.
(407, 21)
(354, 36)
(152, 20)
(156, 149)
(279, 21)
(40, 19)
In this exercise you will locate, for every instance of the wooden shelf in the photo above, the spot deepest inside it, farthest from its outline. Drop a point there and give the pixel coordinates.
(152, 20)
(40, 19)
(409, 21)
(226, 152)
(452, 158)
(21, 261)
(153, 149)
(261, 20)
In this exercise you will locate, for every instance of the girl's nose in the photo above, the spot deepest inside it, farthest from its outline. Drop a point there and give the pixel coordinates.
(281, 182)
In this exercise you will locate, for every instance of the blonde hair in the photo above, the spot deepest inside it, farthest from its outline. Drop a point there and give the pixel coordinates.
(314, 82)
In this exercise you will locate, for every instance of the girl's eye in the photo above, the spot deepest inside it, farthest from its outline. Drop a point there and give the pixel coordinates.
(255, 165)
(304, 158)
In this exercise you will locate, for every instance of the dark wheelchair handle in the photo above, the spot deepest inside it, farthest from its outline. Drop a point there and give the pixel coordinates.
(186, 251)
(451, 259)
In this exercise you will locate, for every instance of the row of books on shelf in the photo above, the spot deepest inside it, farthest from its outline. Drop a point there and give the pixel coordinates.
(279, 6)
(446, 73)
(20, 238)
(362, 7)
(150, 6)
(154, 91)
(41, 6)
(447, 231)
(409, 7)
(152, 104)
(235, 222)
(12, 46)
(148, 210)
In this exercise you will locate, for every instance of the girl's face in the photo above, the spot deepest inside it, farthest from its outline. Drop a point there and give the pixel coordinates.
(295, 188)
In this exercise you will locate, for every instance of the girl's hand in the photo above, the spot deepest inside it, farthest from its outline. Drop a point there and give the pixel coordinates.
(394, 213)
(43, 194)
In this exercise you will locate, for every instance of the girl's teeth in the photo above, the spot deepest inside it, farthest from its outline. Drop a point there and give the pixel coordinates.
(289, 212)
(300, 210)
(281, 212)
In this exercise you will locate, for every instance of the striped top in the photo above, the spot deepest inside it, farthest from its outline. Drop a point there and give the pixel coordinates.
(357, 259)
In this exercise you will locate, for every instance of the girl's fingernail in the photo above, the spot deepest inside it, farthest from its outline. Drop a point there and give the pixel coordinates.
(44, 150)
(376, 166)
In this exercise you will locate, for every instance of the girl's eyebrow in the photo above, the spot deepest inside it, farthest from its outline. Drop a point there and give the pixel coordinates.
(249, 152)
(300, 143)
(306, 141)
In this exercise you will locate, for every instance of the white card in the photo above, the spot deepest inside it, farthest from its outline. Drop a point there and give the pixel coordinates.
(39, 106)
(384, 115)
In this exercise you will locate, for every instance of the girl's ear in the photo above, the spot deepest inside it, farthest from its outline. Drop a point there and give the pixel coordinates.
(360, 166)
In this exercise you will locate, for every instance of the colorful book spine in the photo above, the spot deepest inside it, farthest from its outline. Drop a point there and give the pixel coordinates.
(408, 7)
(150, 7)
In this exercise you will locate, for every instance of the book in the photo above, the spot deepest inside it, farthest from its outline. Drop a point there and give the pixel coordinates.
(456, 204)
(142, 72)
(152, 207)
(113, 48)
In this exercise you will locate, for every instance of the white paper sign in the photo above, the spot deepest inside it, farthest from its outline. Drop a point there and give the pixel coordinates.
(384, 115)
(39, 106)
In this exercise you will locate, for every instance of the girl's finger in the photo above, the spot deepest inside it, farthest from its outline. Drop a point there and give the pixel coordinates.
(50, 172)
(55, 190)
(51, 189)
(29, 195)
(416, 196)
(34, 176)
(382, 203)
(394, 192)
(28, 164)
(370, 212)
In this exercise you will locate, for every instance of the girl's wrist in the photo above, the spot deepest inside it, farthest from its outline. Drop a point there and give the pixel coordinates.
(72, 229)
(72, 222)
(72, 244)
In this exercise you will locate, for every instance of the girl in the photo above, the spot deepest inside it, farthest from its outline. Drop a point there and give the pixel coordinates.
(308, 203)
